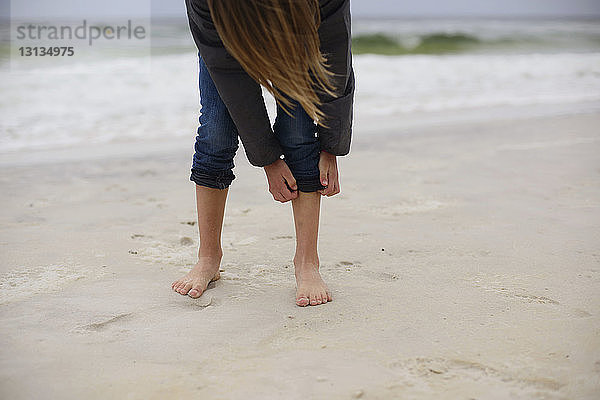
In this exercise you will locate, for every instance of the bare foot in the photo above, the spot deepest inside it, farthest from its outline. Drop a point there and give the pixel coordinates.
(194, 283)
(310, 288)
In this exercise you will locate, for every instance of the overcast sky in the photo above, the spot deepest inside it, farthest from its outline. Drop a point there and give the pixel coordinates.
(136, 8)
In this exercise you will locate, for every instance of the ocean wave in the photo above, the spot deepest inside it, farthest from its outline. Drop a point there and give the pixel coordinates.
(436, 43)
(459, 42)
(391, 86)
(118, 103)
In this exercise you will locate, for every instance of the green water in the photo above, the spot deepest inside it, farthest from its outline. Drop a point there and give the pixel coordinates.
(437, 43)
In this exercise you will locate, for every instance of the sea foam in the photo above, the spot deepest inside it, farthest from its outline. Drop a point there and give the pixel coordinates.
(121, 99)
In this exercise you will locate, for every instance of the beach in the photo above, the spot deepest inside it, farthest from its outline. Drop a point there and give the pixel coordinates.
(462, 253)
(462, 257)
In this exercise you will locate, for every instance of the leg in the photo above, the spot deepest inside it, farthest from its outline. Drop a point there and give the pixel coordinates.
(216, 145)
(210, 204)
(310, 286)
(301, 147)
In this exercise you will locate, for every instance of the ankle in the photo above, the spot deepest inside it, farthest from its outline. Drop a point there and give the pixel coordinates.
(210, 252)
(306, 260)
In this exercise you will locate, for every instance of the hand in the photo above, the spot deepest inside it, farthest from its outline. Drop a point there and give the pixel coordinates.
(282, 184)
(328, 174)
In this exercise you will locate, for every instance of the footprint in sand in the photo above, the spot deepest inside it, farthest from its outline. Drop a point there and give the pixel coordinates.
(521, 295)
(431, 370)
(25, 282)
(349, 265)
(201, 302)
(509, 287)
(106, 323)
(530, 298)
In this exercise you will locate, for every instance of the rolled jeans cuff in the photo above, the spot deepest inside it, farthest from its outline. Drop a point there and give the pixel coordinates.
(309, 184)
(215, 180)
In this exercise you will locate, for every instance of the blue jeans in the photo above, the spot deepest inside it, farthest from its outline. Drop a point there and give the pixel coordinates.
(217, 141)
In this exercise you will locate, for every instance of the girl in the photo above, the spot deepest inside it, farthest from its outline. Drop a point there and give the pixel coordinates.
(299, 50)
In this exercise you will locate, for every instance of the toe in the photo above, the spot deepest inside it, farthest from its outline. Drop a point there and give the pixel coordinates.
(195, 292)
(329, 298)
(323, 298)
(179, 288)
(314, 300)
(302, 301)
(186, 288)
(318, 298)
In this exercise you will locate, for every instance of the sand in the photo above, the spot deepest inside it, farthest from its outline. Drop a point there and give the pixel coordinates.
(464, 262)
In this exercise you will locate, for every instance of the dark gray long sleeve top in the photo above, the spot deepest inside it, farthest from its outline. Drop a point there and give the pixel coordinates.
(243, 96)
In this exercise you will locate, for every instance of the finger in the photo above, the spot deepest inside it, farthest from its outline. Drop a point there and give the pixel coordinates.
(293, 191)
(333, 178)
(290, 180)
(323, 172)
(277, 196)
(333, 175)
(329, 190)
(292, 196)
(336, 189)
(286, 194)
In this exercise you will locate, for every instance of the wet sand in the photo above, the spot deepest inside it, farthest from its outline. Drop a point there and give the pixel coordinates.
(464, 262)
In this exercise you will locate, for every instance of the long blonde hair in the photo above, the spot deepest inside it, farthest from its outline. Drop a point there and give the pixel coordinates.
(277, 43)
